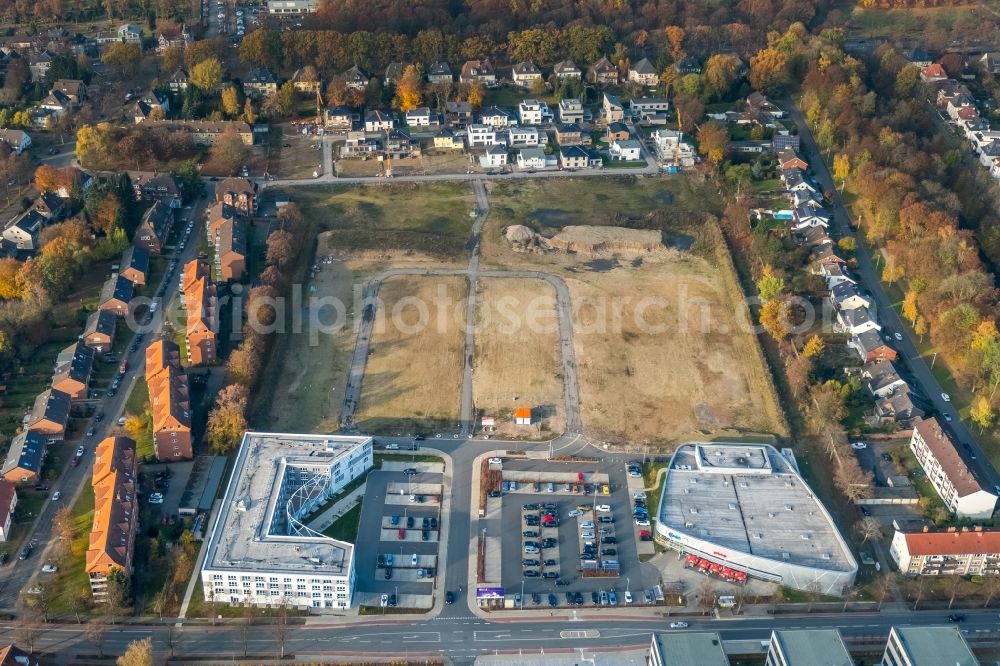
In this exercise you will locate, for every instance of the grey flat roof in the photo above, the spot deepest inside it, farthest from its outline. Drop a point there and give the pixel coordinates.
(629, 658)
(701, 648)
(749, 498)
(813, 647)
(248, 534)
(935, 646)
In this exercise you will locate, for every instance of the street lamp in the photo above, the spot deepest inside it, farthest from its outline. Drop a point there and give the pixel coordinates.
(522, 594)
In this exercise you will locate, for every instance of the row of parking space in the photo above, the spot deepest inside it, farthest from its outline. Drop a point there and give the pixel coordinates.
(600, 597)
(540, 541)
(568, 488)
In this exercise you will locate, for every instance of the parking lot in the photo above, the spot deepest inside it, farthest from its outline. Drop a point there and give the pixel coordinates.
(399, 534)
(563, 546)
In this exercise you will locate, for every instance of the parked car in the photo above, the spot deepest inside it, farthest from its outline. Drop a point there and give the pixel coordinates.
(49, 568)
(384, 601)
(56, 495)
(859, 446)
(603, 508)
(156, 498)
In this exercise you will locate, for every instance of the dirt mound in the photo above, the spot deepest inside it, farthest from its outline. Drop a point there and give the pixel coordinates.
(607, 240)
(524, 238)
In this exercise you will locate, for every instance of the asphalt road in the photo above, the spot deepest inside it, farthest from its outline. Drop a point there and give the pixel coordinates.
(889, 318)
(21, 574)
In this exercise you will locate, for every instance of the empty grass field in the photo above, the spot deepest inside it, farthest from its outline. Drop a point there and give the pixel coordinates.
(517, 354)
(414, 370)
(430, 218)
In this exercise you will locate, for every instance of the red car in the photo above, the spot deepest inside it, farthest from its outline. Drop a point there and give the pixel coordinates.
(646, 535)
(402, 533)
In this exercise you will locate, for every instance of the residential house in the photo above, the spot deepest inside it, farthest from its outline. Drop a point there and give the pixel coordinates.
(231, 251)
(990, 62)
(948, 472)
(240, 193)
(497, 117)
(39, 65)
(898, 406)
(152, 232)
(796, 180)
(672, 149)
(956, 551)
(881, 378)
(650, 110)
(614, 112)
(519, 137)
(835, 274)
(8, 502)
(422, 117)
(178, 81)
(856, 321)
(17, 140)
(482, 136)
(458, 114)
(571, 135)
(49, 205)
(111, 545)
(846, 296)
(447, 139)
(440, 72)
(643, 73)
(530, 159)
(688, 65)
(394, 72)
(134, 264)
(56, 103)
(933, 72)
(25, 456)
(306, 81)
(399, 144)
(173, 39)
(15, 656)
(162, 187)
(22, 231)
(627, 150)
(789, 159)
(379, 121)
(99, 331)
(813, 237)
(809, 215)
(919, 56)
(782, 140)
(567, 69)
(495, 157)
(526, 73)
(356, 78)
(533, 112)
(603, 73)
(153, 104)
(74, 90)
(130, 33)
(570, 110)
(72, 371)
(219, 213)
(50, 413)
(201, 303)
(205, 132)
(617, 132)
(260, 82)
(116, 294)
(340, 118)
(577, 157)
(478, 71)
(870, 347)
(358, 144)
(759, 105)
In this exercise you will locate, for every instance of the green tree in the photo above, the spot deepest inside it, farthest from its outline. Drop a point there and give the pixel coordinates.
(286, 99)
(769, 285)
(537, 45)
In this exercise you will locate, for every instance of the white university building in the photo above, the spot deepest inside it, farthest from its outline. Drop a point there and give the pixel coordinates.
(260, 550)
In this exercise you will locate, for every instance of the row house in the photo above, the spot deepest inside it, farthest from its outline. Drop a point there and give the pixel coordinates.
(49, 414)
(111, 544)
(206, 132)
(201, 303)
(116, 294)
(230, 250)
(169, 401)
(73, 369)
(99, 331)
(25, 456)
(162, 187)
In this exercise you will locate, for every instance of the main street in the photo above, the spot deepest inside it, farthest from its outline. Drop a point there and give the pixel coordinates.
(889, 318)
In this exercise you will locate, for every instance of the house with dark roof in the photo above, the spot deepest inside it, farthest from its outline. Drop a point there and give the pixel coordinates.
(688, 65)
(73, 368)
(394, 72)
(356, 78)
(571, 134)
(116, 294)
(25, 456)
(169, 400)
(526, 73)
(22, 231)
(567, 69)
(898, 406)
(870, 347)
(230, 251)
(881, 378)
(577, 157)
(134, 264)
(340, 118)
(99, 331)
(603, 72)
(178, 81)
(449, 140)
(643, 73)
(260, 82)
(50, 413)
(218, 214)
(152, 232)
(18, 140)
(440, 72)
(240, 193)
(50, 205)
(377, 120)
(478, 71)
(75, 90)
(457, 114)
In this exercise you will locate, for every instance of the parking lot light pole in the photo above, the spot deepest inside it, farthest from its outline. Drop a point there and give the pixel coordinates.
(522, 594)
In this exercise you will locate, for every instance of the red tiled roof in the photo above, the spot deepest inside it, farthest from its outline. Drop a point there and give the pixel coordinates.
(952, 543)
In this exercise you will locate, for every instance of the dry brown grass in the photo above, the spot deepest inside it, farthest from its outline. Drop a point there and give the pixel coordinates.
(517, 354)
(356, 168)
(414, 373)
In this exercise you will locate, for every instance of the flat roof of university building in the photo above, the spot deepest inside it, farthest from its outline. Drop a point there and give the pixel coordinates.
(935, 646)
(750, 498)
(251, 532)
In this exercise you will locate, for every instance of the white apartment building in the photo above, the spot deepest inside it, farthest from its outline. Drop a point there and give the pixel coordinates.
(259, 550)
(946, 470)
(955, 552)
(291, 6)
(534, 112)
(483, 136)
(570, 111)
(523, 137)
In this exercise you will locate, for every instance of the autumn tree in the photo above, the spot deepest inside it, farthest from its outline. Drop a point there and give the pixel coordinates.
(775, 316)
(138, 653)
(206, 75)
(869, 529)
(769, 285)
(814, 347)
(675, 38)
(10, 285)
(981, 412)
(690, 110)
(475, 94)
(538, 45)
(767, 69)
(721, 72)
(910, 306)
(713, 141)
(227, 421)
(231, 102)
(409, 89)
(123, 59)
(230, 151)
(281, 249)
(841, 167)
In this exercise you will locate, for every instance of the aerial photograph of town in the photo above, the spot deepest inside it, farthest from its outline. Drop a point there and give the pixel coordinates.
(500, 332)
